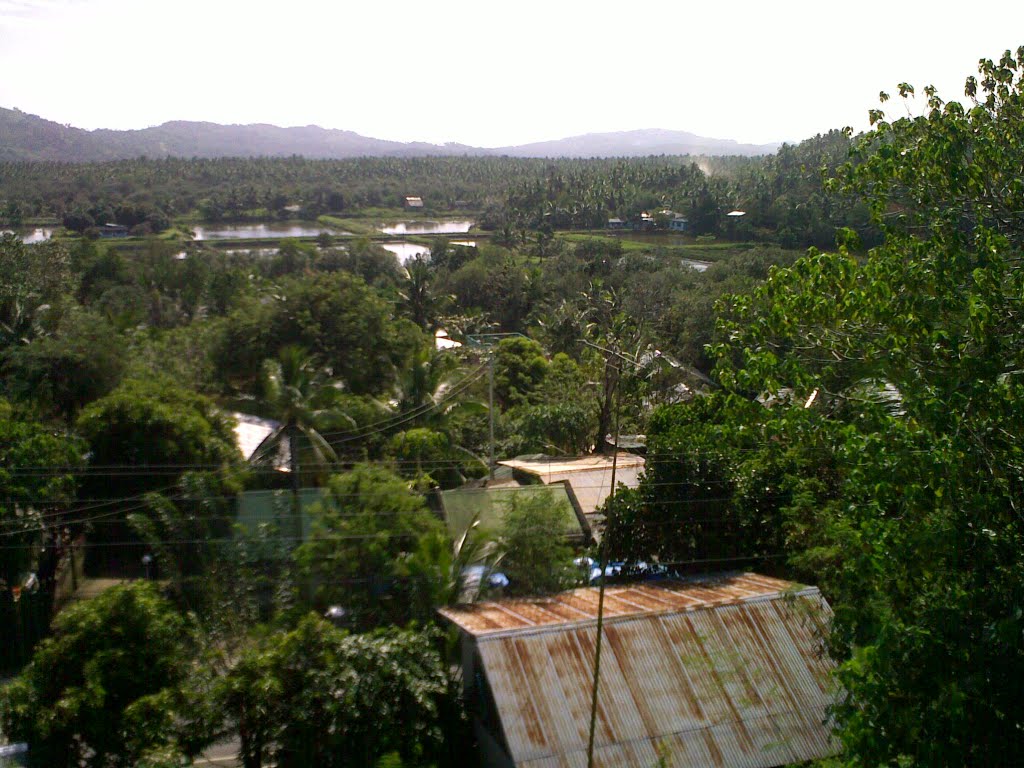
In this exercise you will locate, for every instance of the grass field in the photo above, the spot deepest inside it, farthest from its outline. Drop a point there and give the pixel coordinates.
(360, 226)
(685, 247)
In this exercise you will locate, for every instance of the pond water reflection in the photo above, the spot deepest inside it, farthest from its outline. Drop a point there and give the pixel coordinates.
(251, 252)
(443, 227)
(262, 231)
(36, 235)
(405, 251)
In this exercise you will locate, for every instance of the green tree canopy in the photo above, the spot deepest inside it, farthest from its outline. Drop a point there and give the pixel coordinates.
(319, 696)
(335, 317)
(33, 278)
(906, 368)
(563, 419)
(85, 698)
(156, 424)
(82, 360)
(533, 556)
(364, 531)
(37, 481)
(519, 370)
(147, 434)
(715, 485)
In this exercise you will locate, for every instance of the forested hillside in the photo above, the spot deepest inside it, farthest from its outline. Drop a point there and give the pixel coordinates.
(29, 137)
(783, 195)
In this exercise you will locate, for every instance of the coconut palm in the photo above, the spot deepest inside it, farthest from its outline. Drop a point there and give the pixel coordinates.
(423, 385)
(430, 392)
(303, 399)
(419, 294)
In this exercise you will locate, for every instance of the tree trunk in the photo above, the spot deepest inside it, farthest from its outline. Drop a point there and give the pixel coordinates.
(604, 419)
(293, 465)
(251, 748)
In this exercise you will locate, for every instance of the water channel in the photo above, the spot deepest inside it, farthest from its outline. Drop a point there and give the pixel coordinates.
(36, 235)
(262, 231)
(406, 251)
(443, 227)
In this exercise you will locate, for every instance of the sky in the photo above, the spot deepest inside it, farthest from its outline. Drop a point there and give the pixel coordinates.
(488, 73)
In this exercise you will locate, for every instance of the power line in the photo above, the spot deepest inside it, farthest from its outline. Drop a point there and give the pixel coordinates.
(651, 460)
(146, 499)
(535, 487)
(456, 389)
(718, 520)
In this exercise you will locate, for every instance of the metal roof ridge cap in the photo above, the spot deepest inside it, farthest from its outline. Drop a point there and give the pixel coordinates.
(537, 629)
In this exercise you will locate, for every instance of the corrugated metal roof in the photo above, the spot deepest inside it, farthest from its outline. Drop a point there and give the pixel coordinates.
(620, 601)
(725, 672)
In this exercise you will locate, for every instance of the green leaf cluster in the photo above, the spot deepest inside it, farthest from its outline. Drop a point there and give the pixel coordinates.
(319, 696)
(90, 695)
(364, 532)
(905, 368)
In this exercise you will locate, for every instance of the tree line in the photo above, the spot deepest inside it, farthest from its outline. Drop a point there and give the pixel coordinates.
(783, 195)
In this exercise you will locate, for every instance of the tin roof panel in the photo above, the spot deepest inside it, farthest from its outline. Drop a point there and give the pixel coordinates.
(620, 601)
(738, 683)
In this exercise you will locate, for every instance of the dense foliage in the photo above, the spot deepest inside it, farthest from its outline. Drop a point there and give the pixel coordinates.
(535, 561)
(364, 532)
(154, 424)
(783, 195)
(86, 697)
(37, 481)
(319, 696)
(886, 453)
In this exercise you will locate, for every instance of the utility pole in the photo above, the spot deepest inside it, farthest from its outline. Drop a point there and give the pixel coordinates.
(489, 341)
(603, 563)
(490, 413)
(603, 557)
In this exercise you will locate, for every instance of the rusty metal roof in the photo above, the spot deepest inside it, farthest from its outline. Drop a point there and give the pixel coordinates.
(725, 671)
(629, 600)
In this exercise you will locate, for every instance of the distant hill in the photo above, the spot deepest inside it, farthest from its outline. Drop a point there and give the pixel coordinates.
(650, 141)
(28, 137)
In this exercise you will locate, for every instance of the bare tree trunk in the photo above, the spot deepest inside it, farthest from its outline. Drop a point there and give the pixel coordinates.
(293, 465)
(604, 419)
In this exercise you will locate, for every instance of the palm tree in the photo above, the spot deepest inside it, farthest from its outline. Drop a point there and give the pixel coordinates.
(302, 398)
(419, 295)
(423, 385)
(430, 392)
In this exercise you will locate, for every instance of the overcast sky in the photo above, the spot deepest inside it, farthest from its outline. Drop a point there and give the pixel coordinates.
(487, 73)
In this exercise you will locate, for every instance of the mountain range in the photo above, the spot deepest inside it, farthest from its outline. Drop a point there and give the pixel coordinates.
(29, 137)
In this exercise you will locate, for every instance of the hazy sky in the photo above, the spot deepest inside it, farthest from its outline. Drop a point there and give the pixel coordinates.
(488, 73)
